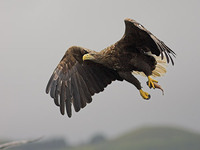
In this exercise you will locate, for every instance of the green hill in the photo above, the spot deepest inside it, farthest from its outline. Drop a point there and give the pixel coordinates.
(153, 138)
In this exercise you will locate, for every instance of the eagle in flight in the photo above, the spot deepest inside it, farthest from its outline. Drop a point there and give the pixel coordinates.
(83, 72)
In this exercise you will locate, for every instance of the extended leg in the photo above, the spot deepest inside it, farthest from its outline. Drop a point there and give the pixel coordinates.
(146, 66)
(130, 78)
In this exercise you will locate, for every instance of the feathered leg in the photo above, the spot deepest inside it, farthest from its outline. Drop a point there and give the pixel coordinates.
(131, 79)
(147, 66)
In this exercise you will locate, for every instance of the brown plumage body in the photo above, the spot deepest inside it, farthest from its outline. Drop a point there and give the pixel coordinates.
(122, 58)
(82, 72)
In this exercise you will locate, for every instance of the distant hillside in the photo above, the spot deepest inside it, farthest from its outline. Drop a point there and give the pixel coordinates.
(51, 144)
(153, 138)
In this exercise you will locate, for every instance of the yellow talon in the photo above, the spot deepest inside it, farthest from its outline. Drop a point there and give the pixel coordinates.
(144, 95)
(151, 82)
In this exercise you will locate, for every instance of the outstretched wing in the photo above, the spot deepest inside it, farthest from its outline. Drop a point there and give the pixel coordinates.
(74, 81)
(138, 36)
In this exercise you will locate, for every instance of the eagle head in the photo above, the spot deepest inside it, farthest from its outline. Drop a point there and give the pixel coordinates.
(92, 56)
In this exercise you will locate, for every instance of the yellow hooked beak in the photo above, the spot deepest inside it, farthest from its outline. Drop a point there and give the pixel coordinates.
(88, 57)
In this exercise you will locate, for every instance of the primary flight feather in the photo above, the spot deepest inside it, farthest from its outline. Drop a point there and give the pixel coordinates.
(82, 72)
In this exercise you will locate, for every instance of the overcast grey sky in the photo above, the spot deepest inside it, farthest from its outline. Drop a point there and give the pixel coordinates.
(34, 36)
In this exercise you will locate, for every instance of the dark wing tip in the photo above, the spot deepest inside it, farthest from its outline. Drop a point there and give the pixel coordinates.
(49, 84)
(163, 49)
(68, 109)
(69, 115)
(168, 52)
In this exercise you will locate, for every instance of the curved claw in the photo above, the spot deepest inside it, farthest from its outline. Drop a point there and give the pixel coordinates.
(144, 95)
(151, 82)
(157, 86)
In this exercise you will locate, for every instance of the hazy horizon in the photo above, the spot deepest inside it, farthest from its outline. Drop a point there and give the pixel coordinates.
(34, 36)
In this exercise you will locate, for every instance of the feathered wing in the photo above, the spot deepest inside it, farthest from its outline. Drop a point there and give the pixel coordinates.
(138, 36)
(74, 81)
